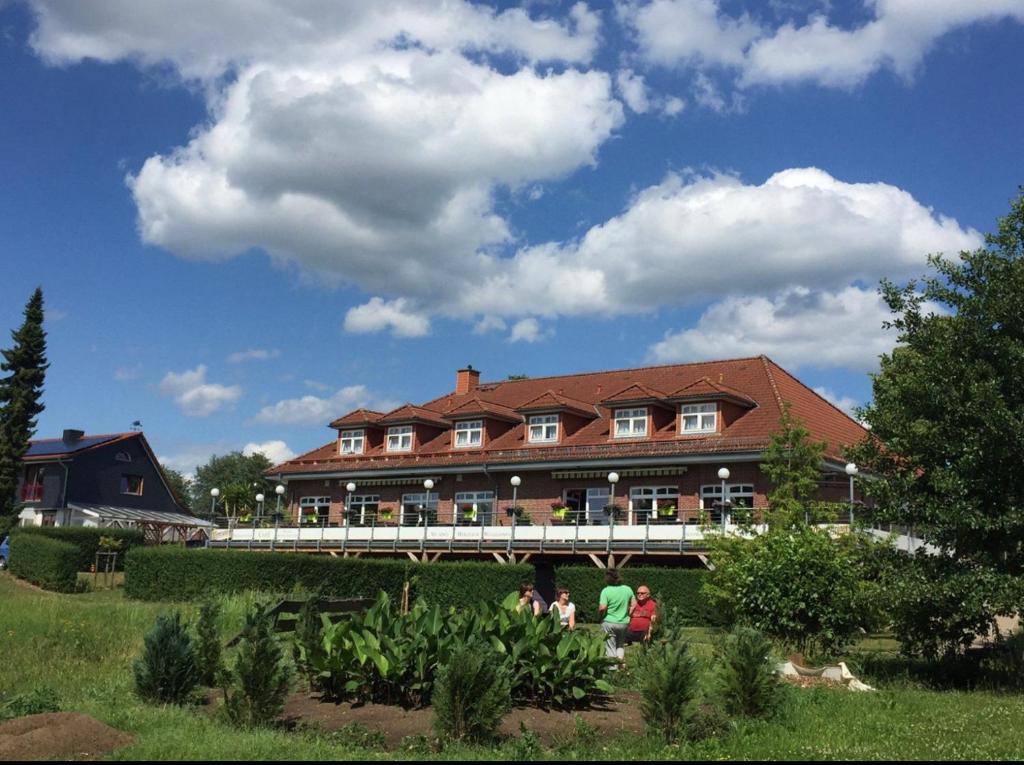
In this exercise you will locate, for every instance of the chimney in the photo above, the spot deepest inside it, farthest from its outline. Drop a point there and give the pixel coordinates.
(72, 436)
(467, 379)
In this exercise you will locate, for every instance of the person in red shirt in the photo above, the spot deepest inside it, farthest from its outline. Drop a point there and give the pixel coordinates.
(642, 616)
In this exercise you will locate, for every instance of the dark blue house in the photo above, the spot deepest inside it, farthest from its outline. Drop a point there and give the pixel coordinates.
(111, 480)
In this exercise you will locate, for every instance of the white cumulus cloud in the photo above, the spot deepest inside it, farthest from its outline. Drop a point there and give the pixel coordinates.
(394, 315)
(194, 395)
(275, 451)
(317, 410)
(253, 354)
(528, 330)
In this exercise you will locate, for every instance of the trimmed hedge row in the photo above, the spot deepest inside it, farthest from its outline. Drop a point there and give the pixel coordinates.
(175, 573)
(86, 539)
(49, 563)
(670, 587)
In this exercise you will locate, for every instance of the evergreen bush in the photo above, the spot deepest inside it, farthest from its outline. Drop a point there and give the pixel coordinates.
(745, 678)
(472, 693)
(258, 683)
(208, 649)
(668, 689)
(166, 673)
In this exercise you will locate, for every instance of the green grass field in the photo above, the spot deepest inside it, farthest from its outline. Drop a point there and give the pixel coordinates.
(83, 646)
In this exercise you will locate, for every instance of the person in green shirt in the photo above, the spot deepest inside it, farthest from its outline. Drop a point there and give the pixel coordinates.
(617, 600)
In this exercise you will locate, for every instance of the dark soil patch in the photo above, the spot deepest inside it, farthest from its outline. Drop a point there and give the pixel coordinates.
(59, 736)
(621, 714)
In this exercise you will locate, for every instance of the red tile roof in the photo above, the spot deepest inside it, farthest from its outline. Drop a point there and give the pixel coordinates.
(476, 406)
(358, 417)
(549, 401)
(637, 393)
(757, 380)
(705, 389)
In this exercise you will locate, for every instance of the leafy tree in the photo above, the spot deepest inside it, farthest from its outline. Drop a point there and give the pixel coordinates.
(947, 420)
(239, 477)
(24, 366)
(792, 462)
(180, 485)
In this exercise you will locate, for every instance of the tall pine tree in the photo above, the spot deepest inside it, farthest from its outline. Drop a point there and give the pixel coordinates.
(21, 388)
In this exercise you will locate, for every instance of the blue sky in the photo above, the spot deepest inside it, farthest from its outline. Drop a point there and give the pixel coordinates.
(250, 218)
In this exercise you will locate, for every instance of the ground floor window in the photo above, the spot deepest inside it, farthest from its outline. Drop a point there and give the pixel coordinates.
(362, 509)
(645, 501)
(741, 495)
(474, 508)
(419, 509)
(314, 509)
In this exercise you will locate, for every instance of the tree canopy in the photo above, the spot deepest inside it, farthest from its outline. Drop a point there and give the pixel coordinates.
(24, 368)
(239, 477)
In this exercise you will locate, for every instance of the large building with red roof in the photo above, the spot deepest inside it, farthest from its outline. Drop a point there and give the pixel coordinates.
(554, 446)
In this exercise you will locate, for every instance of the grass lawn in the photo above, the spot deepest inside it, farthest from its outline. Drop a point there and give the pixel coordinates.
(83, 647)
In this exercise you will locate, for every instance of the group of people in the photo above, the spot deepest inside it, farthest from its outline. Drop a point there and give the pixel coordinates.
(626, 616)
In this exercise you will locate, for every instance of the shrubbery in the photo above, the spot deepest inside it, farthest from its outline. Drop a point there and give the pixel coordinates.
(166, 673)
(678, 588)
(208, 650)
(669, 688)
(745, 679)
(86, 540)
(257, 684)
(175, 573)
(471, 694)
(49, 563)
(798, 585)
(386, 657)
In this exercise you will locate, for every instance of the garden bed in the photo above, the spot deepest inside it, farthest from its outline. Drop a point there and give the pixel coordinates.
(621, 714)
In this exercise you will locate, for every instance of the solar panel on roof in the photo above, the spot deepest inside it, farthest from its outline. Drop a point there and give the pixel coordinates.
(59, 446)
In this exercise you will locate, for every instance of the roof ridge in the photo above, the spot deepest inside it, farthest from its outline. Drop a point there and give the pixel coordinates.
(89, 435)
(765, 361)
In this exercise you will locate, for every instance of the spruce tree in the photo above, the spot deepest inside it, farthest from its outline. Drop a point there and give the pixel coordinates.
(21, 387)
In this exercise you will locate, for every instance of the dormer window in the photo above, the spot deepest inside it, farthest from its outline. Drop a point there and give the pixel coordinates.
(400, 438)
(543, 428)
(351, 442)
(698, 418)
(631, 423)
(469, 433)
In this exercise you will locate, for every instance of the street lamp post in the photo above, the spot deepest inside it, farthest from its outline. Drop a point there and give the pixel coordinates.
(515, 481)
(851, 470)
(613, 478)
(279, 491)
(723, 473)
(259, 505)
(349, 487)
(214, 493)
(428, 484)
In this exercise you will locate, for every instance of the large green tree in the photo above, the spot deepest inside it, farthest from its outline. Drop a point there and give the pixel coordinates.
(239, 478)
(947, 420)
(23, 368)
(792, 463)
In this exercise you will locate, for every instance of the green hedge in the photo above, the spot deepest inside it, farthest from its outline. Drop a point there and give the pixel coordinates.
(86, 539)
(49, 563)
(678, 587)
(175, 573)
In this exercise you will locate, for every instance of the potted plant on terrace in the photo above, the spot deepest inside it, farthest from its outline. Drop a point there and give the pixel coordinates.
(386, 514)
(469, 513)
(559, 512)
(668, 514)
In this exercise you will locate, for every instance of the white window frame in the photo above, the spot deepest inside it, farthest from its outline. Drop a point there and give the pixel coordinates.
(429, 500)
(543, 428)
(467, 434)
(400, 438)
(361, 501)
(734, 492)
(632, 417)
(473, 499)
(698, 418)
(649, 494)
(314, 503)
(354, 440)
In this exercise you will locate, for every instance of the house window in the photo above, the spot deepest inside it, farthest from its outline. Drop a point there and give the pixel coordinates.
(123, 457)
(314, 508)
(32, 486)
(644, 500)
(469, 433)
(400, 438)
(351, 442)
(630, 423)
(131, 484)
(543, 428)
(740, 494)
(698, 418)
(363, 509)
(474, 508)
(419, 509)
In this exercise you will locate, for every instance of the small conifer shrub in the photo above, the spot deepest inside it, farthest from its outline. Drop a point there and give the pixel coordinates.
(166, 673)
(472, 693)
(257, 684)
(745, 677)
(668, 688)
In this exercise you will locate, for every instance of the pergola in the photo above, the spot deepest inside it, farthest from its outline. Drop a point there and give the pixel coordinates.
(157, 526)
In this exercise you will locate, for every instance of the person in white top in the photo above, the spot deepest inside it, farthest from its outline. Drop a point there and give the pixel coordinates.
(563, 610)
